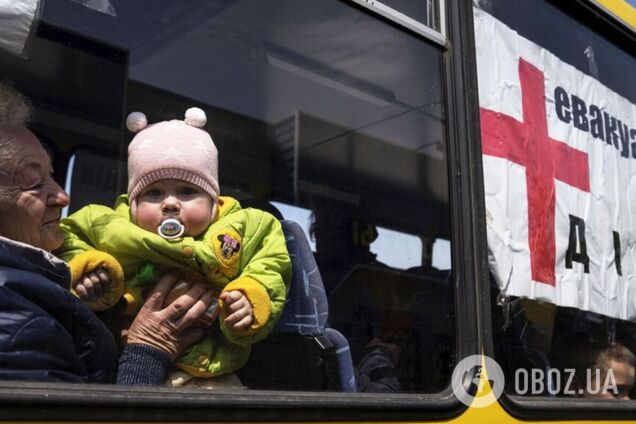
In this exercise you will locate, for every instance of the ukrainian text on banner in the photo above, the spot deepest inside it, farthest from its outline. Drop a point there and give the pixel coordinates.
(559, 155)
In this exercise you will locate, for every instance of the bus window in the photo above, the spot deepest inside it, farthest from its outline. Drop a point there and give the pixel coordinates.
(559, 197)
(323, 113)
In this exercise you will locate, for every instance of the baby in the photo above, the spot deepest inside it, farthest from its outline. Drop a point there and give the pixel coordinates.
(173, 216)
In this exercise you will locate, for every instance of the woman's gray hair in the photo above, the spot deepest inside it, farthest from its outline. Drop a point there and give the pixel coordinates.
(15, 109)
(15, 113)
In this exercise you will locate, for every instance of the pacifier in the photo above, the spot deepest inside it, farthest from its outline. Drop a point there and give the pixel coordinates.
(170, 229)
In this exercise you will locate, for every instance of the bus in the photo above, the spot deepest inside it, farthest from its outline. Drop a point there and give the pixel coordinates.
(462, 176)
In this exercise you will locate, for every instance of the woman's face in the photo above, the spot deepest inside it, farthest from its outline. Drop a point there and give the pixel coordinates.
(30, 200)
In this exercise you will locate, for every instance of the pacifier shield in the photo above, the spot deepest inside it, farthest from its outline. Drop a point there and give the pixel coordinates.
(170, 228)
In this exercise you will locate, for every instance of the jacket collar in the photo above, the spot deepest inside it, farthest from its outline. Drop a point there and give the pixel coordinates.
(14, 254)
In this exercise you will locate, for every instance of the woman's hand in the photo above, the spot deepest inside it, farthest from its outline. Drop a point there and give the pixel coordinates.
(174, 327)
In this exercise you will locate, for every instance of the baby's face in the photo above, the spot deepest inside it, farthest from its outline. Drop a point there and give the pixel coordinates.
(180, 200)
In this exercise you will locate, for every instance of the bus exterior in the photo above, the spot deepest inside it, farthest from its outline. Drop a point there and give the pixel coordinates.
(456, 182)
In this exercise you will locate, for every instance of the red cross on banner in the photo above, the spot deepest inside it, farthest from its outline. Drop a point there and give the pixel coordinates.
(528, 144)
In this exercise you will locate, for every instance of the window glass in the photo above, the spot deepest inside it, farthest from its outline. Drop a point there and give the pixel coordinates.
(563, 327)
(322, 114)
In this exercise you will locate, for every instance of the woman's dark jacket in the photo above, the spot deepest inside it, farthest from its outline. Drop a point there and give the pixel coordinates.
(46, 333)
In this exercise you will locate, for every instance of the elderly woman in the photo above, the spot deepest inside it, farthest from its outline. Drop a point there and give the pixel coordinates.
(46, 332)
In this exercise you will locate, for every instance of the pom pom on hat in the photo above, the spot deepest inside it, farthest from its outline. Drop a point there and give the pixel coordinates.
(136, 122)
(195, 117)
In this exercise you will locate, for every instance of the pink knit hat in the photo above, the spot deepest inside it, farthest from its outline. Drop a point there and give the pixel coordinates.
(175, 149)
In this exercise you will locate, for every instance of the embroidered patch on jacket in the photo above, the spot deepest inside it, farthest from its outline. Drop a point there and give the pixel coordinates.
(227, 245)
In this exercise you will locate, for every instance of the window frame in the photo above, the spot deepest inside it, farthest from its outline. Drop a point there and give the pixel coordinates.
(401, 19)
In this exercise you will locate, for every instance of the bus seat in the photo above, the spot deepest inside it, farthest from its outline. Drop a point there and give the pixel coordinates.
(342, 355)
(301, 353)
(306, 308)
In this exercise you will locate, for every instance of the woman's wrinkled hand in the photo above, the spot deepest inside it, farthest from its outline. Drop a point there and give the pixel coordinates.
(174, 327)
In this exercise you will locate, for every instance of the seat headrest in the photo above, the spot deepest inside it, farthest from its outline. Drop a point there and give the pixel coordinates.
(306, 309)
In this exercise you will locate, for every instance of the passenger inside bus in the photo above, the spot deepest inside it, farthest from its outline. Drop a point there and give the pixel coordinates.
(377, 370)
(593, 344)
(396, 321)
(343, 233)
(47, 333)
(593, 364)
(173, 216)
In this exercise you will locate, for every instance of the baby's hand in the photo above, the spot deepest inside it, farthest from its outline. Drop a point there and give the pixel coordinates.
(91, 285)
(239, 310)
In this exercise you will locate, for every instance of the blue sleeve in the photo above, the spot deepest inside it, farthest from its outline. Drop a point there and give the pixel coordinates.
(39, 349)
(143, 365)
(376, 372)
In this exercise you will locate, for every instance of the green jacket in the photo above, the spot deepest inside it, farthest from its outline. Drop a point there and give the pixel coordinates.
(243, 249)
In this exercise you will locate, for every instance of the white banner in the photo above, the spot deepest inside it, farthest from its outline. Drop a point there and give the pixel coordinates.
(559, 155)
(16, 19)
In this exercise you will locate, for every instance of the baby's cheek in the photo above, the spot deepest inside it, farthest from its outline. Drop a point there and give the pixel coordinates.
(146, 217)
(197, 222)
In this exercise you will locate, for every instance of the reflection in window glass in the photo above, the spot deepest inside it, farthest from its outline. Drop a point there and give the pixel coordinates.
(394, 247)
(399, 249)
(442, 254)
(323, 114)
(302, 216)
